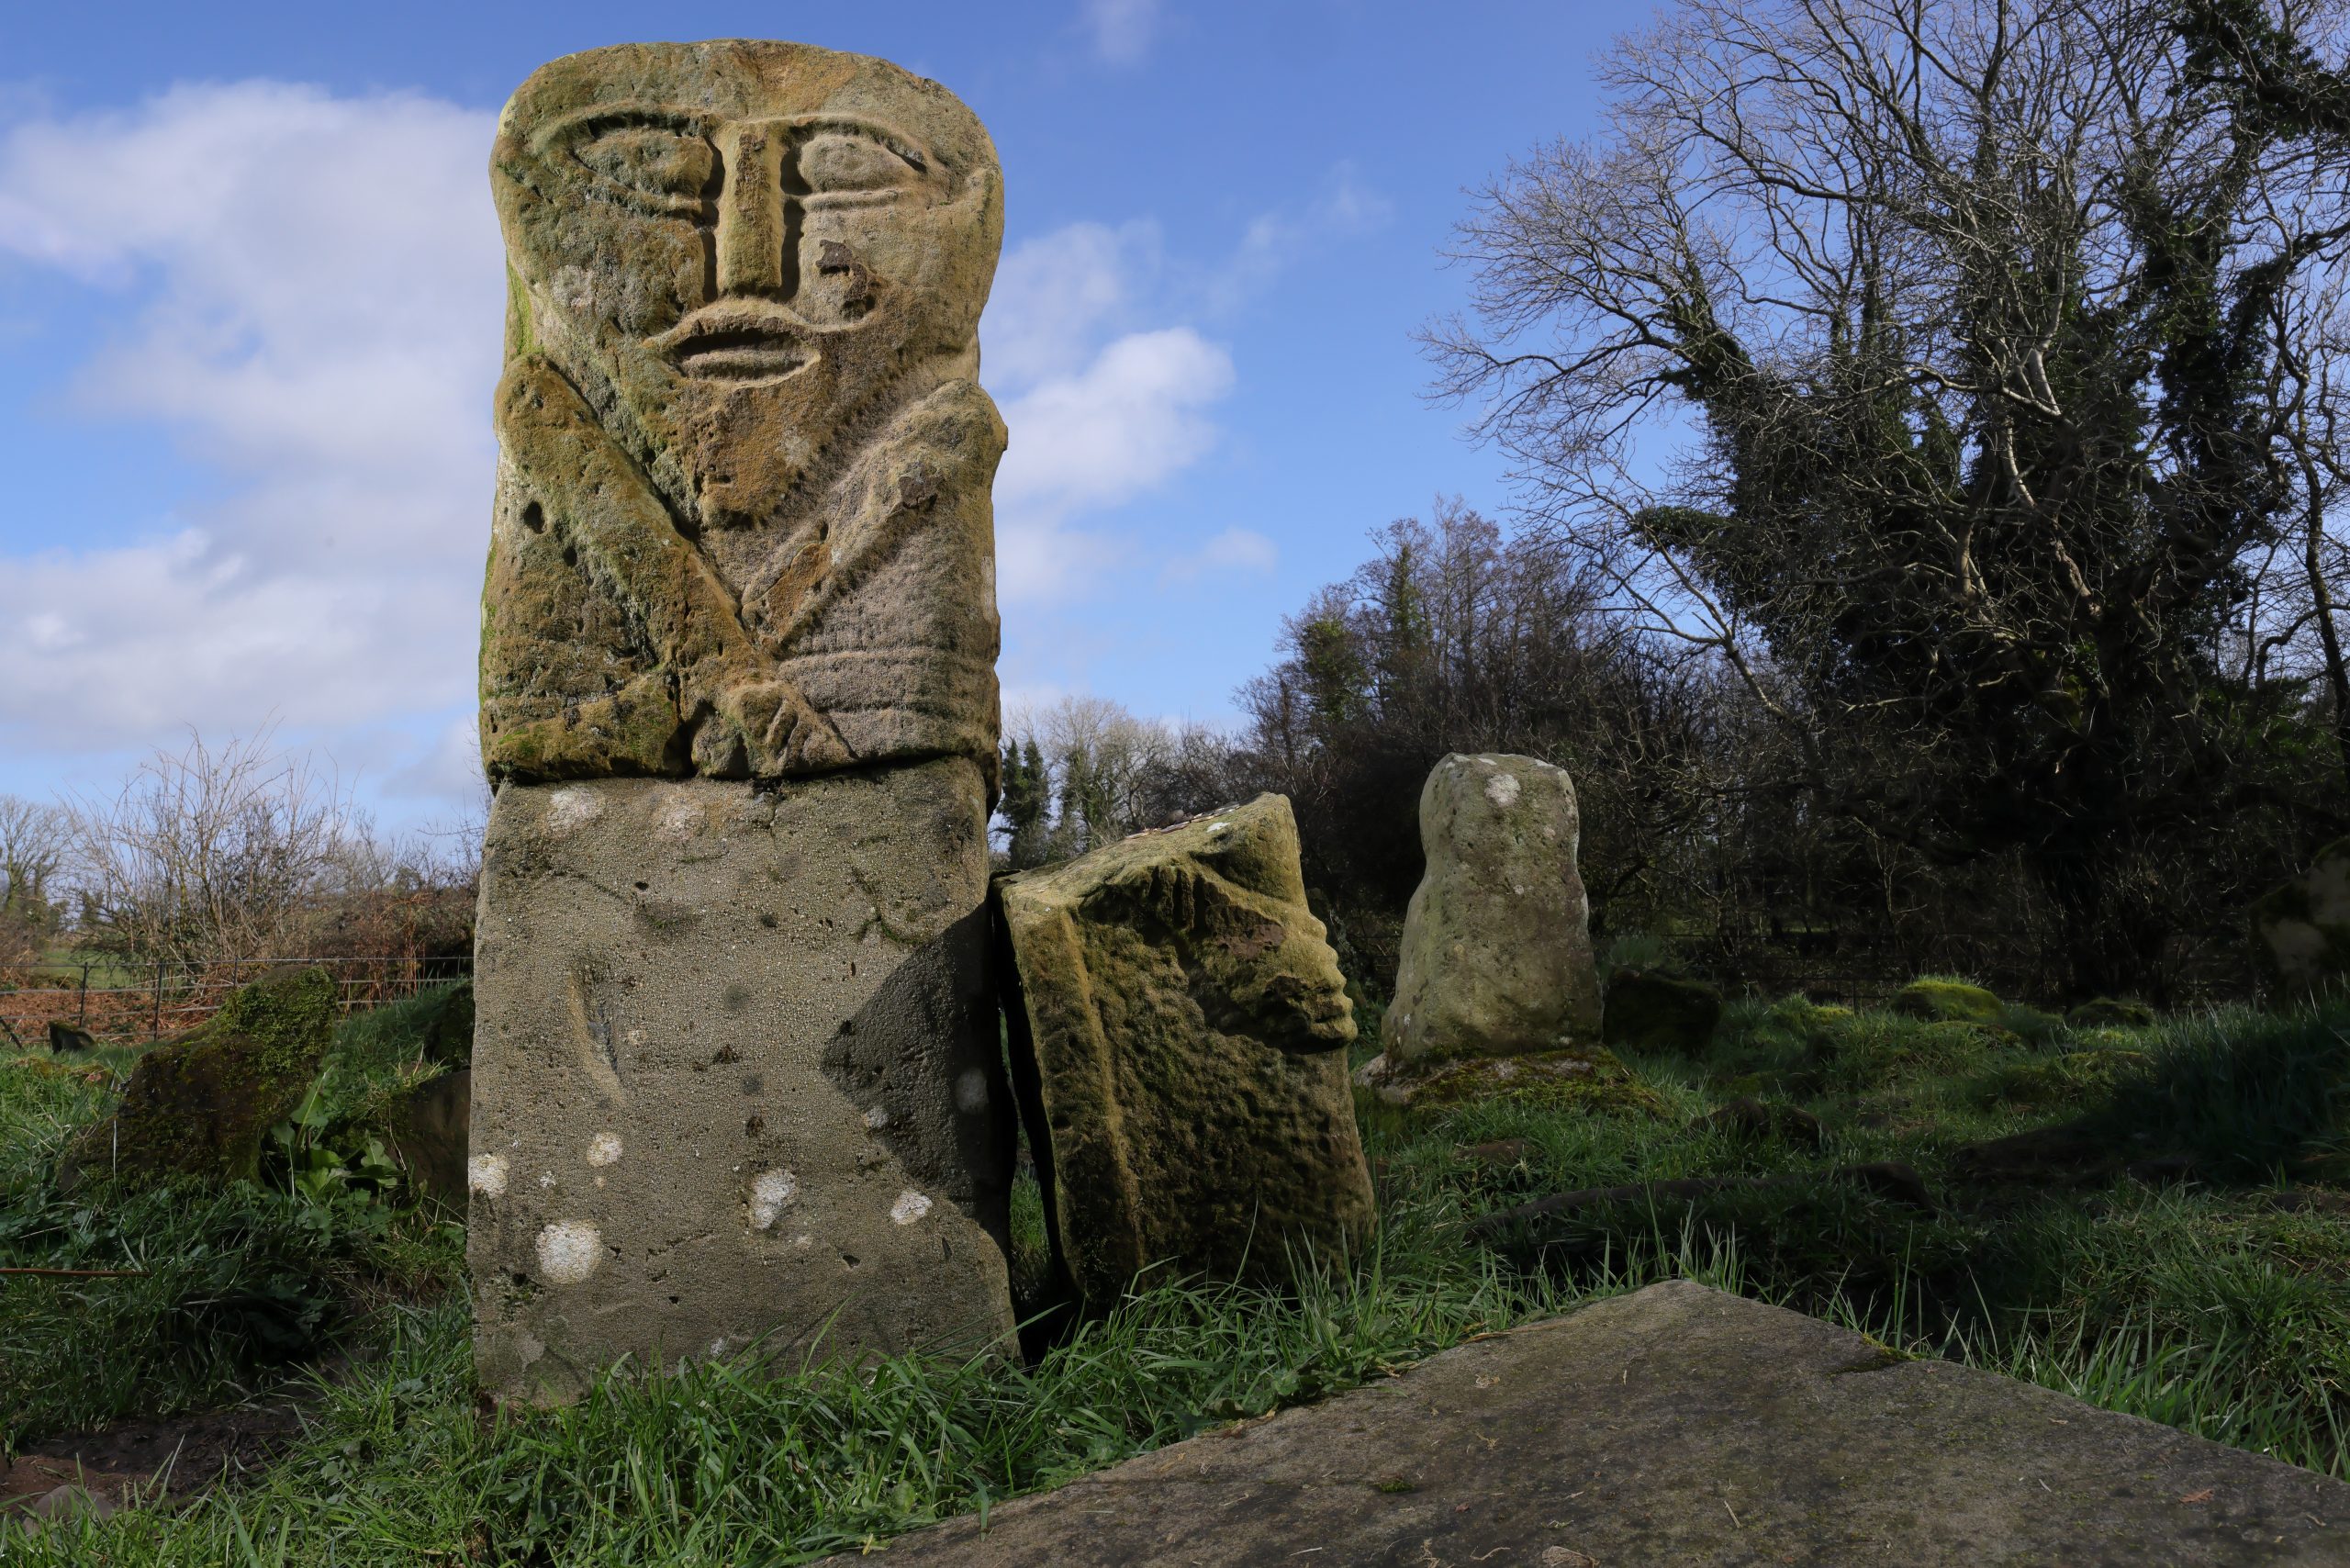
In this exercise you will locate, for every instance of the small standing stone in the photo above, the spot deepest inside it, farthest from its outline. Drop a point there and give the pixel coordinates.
(1496, 957)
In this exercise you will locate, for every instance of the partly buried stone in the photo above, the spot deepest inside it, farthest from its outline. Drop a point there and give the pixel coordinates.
(1948, 1001)
(449, 1033)
(1496, 954)
(1750, 1435)
(198, 1104)
(1187, 1027)
(1579, 1078)
(426, 1128)
(2302, 930)
(738, 1077)
(1648, 1010)
(1749, 1118)
(2110, 1013)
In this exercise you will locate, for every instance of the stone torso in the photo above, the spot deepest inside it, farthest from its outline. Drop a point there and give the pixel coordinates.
(743, 526)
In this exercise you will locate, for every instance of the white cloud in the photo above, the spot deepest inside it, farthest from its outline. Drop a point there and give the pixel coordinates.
(313, 289)
(1235, 552)
(1345, 208)
(1121, 29)
(305, 296)
(1100, 412)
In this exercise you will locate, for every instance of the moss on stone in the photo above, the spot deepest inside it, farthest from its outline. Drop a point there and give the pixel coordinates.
(1648, 1011)
(2057, 1081)
(2111, 1013)
(199, 1105)
(1948, 1000)
(1589, 1079)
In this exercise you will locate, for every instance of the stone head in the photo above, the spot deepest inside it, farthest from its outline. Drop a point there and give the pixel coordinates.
(739, 250)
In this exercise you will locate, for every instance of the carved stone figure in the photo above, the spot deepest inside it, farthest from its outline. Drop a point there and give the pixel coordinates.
(743, 525)
(736, 1075)
(1188, 1026)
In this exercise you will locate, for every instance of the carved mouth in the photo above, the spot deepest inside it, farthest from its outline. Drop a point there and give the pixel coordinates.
(743, 356)
(738, 348)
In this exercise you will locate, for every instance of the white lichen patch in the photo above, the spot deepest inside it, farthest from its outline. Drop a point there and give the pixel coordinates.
(971, 1092)
(876, 1118)
(771, 1192)
(1502, 790)
(546, 1178)
(911, 1206)
(604, 1148)
(568, 1251)
(573, 807)
(678, 821)
(486, 1174)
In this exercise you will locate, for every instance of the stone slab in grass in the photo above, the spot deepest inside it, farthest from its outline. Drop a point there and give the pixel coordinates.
(1678, 1425)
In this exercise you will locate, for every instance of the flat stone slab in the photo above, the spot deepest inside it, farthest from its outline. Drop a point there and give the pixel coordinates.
(1678, 1425)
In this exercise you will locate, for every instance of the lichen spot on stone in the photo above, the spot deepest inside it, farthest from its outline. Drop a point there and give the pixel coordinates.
(911, 1206)
(604, 1148)
(572, 808)
(569, 1250)
(678, 821)
(877, 1117)
(486, 1174)
(771, 1192)
(971, 1092)
(1502, 790)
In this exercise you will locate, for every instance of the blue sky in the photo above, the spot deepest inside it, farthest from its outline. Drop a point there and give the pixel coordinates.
(249, 305)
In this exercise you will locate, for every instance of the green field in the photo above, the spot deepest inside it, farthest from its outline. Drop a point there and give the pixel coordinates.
(2178, 1253)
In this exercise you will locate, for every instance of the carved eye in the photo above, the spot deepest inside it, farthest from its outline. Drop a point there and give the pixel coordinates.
(838, 162)
(674, 167)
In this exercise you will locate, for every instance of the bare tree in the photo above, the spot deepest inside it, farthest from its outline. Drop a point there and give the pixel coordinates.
(208, 855)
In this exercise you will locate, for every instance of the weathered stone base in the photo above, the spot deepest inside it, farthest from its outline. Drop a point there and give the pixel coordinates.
(736, 1075)
(1677, 1426)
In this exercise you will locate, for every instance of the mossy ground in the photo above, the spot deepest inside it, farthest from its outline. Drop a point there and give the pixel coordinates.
(2215, 1297)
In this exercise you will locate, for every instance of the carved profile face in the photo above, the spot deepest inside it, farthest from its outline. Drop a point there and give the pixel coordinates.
(739, 250)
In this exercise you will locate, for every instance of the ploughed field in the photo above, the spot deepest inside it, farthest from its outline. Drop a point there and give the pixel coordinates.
(2155, 1219)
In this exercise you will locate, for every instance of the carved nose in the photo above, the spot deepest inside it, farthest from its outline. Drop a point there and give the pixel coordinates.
(756, 254)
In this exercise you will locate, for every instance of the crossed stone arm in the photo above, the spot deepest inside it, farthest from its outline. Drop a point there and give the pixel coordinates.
(708, 676)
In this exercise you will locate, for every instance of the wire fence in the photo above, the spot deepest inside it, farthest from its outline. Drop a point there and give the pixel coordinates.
(124, 1002)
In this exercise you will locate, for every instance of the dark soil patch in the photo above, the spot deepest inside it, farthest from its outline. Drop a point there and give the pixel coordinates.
(166, 1460)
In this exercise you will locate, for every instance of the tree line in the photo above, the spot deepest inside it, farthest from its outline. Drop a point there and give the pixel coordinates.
(1926, 426)
(227, 854)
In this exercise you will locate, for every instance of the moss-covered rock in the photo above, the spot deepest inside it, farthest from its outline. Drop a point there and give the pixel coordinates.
(1580, 1078)
(1648, 1011)
(198, 1104)
(1749, 1119)
(426, 1128)
(1179, 1038)
(2059, 1080)
(1799, 1021)
(2111, 1013)
(449, 1033)
(1948, 1002)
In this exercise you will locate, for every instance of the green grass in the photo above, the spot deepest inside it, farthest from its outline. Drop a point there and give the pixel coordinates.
(2203, 1305)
